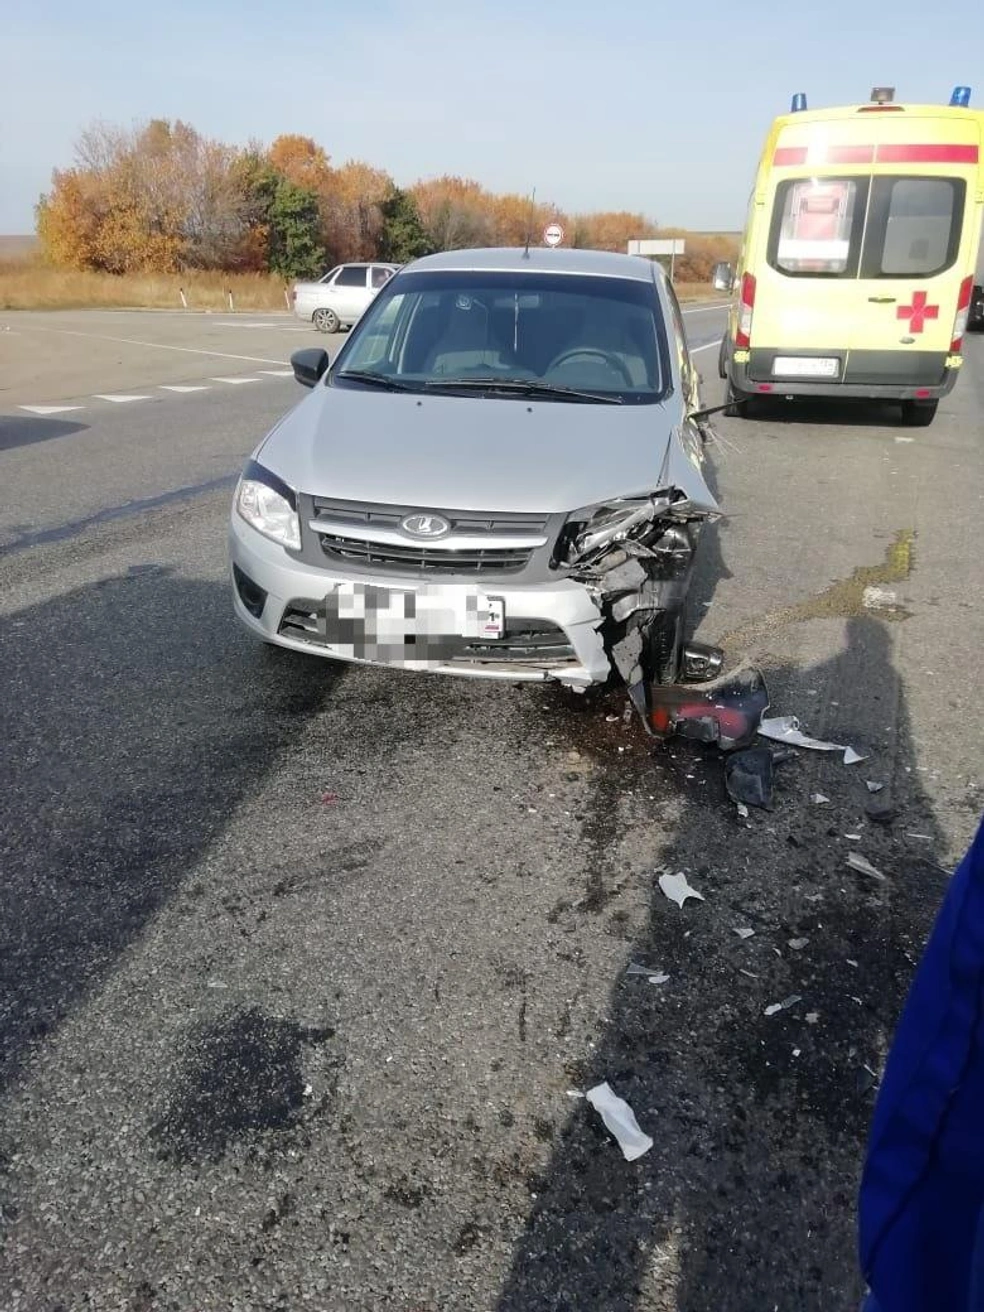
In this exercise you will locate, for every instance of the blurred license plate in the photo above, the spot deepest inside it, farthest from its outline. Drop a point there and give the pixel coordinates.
(418, 627)
(791, 366)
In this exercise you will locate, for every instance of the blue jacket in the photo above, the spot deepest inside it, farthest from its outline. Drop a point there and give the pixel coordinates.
(922, 1187)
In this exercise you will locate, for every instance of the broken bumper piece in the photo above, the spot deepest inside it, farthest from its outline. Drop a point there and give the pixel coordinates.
(725, 713)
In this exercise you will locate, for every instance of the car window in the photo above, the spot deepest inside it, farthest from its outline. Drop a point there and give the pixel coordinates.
(380, 277)
(817, 225)
(330, 274)
(351, 276)
(913, 227)
(599, 335)
(883, 227)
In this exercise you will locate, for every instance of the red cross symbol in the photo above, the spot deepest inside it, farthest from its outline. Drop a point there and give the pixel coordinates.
(918, 312)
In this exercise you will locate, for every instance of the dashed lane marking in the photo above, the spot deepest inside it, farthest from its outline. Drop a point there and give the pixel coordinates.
(119, 398)
(49, 409)
(278, 373)
(234, 382)
(175, 387)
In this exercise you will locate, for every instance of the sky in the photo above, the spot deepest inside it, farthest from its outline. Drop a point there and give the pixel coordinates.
(598, 104)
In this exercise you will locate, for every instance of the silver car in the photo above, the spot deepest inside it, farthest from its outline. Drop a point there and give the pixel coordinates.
(499, 475)
(338, 299)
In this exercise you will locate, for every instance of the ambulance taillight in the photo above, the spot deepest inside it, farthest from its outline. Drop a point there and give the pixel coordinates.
(963, 310)
(746, 307)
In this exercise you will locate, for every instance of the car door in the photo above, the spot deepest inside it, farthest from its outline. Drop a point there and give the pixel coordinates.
(351, 292)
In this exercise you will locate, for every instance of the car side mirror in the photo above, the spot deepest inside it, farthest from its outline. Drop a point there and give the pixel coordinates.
(723, 277)
(309, 365)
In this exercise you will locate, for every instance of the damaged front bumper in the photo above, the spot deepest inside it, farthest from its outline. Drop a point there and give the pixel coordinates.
(617, 571)
(283, 602)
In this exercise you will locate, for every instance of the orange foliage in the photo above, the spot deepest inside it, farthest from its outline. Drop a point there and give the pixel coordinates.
(161, 198)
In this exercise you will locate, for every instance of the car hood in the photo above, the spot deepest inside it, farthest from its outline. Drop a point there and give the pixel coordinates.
(476, 453)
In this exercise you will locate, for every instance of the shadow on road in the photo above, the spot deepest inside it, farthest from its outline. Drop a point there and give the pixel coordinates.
(135, 718)
(19, 430)
(746, 1202)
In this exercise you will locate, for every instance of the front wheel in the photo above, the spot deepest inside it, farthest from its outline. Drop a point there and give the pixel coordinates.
(918, 414)
(326, 321)
(723, 358)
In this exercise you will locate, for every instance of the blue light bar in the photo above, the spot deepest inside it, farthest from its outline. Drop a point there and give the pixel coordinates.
(799, 101)
(960, 97)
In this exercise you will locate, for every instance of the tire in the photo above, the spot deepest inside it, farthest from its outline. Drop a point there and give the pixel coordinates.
(918, 414)
(737, 403)
(664, 647)
(723, 358)
(326, 321)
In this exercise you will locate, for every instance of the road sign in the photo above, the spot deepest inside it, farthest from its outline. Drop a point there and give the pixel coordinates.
(657, 246)
(553, 234)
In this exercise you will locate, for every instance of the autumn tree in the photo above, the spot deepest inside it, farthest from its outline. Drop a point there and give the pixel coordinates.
(354, 221)
(456, 212)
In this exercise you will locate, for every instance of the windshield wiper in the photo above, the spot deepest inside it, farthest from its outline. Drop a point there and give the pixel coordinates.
(373, 379)
(522, 387)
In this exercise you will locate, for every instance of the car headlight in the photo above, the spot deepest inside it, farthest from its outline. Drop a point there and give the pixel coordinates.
(269, 506)
(593, 527)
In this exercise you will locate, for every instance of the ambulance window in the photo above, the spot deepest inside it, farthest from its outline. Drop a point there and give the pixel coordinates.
(914, 227)
(816, 226)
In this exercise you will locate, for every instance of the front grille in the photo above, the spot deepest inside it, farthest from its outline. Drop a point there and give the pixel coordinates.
(488, 560)
(462, 521)
(530, 642)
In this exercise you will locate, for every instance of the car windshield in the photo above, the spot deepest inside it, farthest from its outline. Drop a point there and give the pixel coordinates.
(545, 336)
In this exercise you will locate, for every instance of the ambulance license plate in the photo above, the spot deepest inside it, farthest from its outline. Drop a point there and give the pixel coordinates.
(798, 366)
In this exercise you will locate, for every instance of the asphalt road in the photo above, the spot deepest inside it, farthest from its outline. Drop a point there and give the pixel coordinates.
(301, 964)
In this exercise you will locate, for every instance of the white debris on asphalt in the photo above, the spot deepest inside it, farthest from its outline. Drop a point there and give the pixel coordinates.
(818, 799)
(798, 944)
(857, 862)
(786, 1003)
(620, 1120)
(654, 976)
(744, 933)
(786, 729)
(853, 838)
(742, 811)
(812, 1017)
(676, 888)
(872, 786)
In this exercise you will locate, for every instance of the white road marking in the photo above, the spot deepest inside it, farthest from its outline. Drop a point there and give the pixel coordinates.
(159, 346)
(700, 309)
(277, 373)
(119, 398)
(173, 387)
(49, 409)
(706, 347)
(235, 324)
(236, 381)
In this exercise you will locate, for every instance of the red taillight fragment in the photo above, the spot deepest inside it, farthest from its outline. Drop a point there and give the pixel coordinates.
(746, 307)
(963, 309)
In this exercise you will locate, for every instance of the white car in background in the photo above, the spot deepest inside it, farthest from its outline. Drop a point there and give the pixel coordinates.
(338, 299)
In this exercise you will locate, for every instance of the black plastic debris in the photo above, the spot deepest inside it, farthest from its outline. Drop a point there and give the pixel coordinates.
(725, 712)
(749, 777)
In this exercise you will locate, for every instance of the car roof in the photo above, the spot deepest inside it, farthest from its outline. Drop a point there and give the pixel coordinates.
(559, 259)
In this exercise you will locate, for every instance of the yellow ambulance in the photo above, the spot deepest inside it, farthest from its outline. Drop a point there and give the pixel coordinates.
(857, 265)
